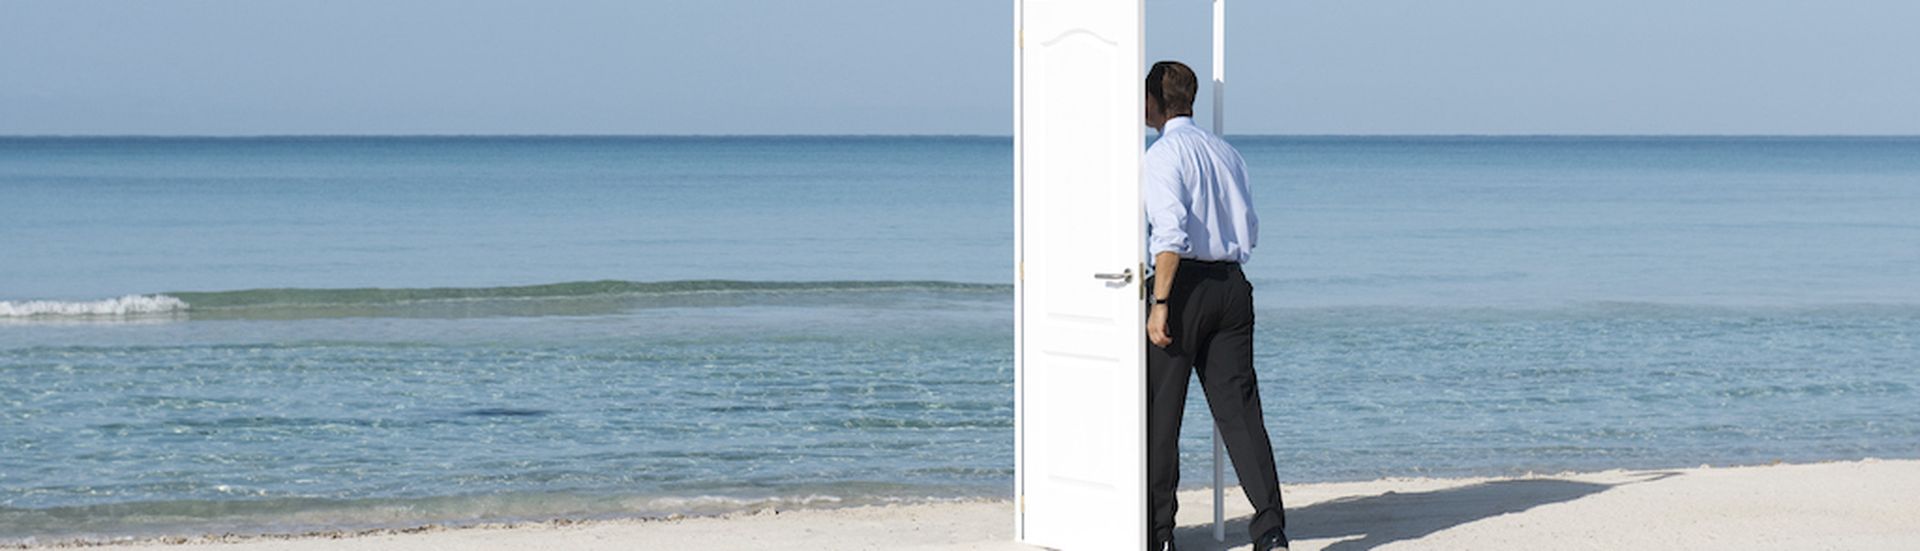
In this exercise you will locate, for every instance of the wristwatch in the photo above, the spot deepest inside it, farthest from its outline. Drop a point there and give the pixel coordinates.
(1155, 301)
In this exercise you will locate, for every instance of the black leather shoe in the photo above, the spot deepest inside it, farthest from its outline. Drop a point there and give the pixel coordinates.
(1273, 540)
(1162, 546)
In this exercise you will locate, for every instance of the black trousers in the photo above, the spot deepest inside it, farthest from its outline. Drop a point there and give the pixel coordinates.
(1210, 317)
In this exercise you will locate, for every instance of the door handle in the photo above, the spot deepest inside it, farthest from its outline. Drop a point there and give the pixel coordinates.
(1124, 276)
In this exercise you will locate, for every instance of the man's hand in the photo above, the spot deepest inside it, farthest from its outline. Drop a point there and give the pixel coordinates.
(1165, 264)
(1157, 326)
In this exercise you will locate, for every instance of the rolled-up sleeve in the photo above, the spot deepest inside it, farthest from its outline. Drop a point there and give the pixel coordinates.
(1166, 201)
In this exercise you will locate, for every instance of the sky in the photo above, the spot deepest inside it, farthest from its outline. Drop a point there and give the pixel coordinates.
(254, 67)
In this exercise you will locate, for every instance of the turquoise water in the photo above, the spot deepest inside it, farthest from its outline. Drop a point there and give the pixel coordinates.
(209, 335)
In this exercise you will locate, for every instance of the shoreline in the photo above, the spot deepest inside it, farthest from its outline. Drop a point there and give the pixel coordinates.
(1859, 504)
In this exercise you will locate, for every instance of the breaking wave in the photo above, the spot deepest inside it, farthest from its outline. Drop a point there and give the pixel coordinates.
(578, 296)
(130, 305)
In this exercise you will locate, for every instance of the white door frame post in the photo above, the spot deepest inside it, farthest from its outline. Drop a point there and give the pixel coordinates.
(1219, 129)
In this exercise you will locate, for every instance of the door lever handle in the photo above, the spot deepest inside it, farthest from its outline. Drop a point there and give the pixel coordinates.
(1124, 276)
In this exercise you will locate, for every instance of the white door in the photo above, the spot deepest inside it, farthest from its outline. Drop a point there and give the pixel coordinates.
(1080, 375)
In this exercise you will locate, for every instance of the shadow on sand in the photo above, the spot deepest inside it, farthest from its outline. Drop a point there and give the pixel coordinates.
(1361, 523)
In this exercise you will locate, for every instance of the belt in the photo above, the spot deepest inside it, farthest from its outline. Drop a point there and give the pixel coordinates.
(1210, 263)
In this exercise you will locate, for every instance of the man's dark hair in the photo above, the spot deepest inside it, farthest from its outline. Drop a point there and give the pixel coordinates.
(1173, 85)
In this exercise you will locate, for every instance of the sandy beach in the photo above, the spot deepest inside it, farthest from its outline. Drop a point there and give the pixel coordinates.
(1867, 504)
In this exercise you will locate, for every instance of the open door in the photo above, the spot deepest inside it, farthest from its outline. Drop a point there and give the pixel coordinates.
(1080, 372)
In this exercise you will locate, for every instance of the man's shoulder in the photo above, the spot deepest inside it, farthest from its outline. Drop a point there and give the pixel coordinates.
(1185, 137)
(1218, 146)
(1193, 139)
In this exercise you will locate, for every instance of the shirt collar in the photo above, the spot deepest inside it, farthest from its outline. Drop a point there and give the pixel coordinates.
(1176, 122)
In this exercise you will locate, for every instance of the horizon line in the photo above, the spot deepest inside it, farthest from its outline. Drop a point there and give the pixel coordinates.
(932, 135)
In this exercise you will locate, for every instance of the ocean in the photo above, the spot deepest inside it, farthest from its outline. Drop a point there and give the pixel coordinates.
(282, 334)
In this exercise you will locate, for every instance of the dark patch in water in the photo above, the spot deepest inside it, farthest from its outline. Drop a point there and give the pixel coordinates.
(506, 412)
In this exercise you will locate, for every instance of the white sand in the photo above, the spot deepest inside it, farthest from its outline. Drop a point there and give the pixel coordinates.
(1866, 504)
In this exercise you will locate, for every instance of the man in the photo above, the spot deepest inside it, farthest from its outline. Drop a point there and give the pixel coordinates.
(1201, 227)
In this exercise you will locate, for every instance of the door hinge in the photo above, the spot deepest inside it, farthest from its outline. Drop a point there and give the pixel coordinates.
(1143, 281)
(1020, 271)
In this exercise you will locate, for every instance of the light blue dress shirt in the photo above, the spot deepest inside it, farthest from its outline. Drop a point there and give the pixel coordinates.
(1197, 201)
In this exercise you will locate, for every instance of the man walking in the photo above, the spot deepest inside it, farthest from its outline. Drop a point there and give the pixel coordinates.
(1201, 227)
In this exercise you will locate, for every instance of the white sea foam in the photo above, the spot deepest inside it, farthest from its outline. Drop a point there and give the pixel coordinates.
(123, 306)
(709, 504)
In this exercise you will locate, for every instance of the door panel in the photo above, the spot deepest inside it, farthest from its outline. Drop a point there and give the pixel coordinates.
(1080, 367)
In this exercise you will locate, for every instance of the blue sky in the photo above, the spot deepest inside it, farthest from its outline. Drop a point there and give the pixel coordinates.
(226, 67)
